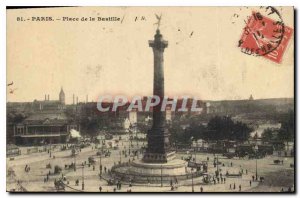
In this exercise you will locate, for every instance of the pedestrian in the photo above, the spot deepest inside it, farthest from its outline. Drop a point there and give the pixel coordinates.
(230, 186)
(115, 189)
(93, 167)
(171, 182)
(246, 172)
(250, 182)
(231, 164)
(224, 180)
(240, 187)
(201, 189)
(252, 177)
(233, 186)
(218, 179)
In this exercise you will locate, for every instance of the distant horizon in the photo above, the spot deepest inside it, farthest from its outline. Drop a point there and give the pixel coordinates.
(56, 99)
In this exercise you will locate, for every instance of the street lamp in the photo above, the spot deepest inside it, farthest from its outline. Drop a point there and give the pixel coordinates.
(195, 153)
(100, 165)
(161, 177)
(192, 138)
(82, 177)
(256, 151)
(192, 180)
(218, 164)
(74, 153)
(136, 136)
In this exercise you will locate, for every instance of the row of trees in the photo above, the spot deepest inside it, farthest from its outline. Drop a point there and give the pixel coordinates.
(218, 128)
(285, 133)
(224, 128)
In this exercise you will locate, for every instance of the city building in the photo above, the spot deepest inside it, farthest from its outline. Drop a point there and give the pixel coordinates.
(47, 124)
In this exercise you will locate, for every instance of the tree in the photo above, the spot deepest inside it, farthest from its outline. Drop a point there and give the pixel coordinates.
(241, 131)
(178, 135)
(90, 126)
(267, 135)
(287, 129)
(16, 117)
(196, 130)
(224, 128)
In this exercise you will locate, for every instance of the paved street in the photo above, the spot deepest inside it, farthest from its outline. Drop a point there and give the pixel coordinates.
(34, 179)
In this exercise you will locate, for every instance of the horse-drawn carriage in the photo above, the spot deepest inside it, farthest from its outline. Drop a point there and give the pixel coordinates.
(188, 158)
(229, 155)
(48, 166)
(104, 153)
(59, 185)
(207, 178)
(74, 152)
(278, 161)
(91, 160)
(111, 182)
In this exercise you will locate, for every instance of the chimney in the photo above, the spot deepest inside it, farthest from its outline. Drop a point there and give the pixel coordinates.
(73, 99)
(48, 97)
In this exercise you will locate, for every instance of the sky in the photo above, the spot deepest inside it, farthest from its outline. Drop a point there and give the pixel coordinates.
(108, 58)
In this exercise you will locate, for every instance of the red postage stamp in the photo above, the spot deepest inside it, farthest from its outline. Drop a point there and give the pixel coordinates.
(265, 36)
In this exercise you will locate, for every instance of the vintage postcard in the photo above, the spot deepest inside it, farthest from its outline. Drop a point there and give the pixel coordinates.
(150, 99)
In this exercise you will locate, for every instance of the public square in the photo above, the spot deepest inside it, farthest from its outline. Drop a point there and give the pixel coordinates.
(276, 176)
